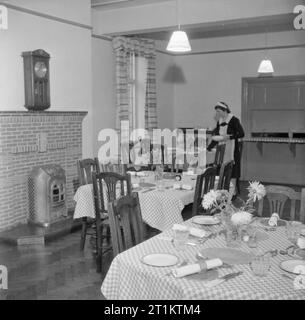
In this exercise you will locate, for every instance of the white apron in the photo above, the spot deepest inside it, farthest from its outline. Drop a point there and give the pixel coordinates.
(230, 144)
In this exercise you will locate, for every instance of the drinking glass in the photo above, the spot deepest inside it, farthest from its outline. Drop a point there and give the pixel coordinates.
(252, 233)
(260, 265)
(180, 238)
(293, 230)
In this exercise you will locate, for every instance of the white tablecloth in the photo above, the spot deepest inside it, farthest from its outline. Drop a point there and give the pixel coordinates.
(129, 278)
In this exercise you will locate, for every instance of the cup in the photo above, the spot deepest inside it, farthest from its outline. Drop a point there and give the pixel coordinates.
(180, 238)
(260, 265)
(293, 230)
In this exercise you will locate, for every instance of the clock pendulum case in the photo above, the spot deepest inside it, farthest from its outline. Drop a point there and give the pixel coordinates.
(36, 79)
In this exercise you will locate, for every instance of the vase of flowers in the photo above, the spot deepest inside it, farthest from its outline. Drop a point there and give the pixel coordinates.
(234, 218)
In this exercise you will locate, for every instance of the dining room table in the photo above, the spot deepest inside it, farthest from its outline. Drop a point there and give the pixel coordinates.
(130, 277)
(161, 207)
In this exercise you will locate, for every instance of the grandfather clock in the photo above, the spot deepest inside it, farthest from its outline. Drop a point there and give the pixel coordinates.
(36, 79)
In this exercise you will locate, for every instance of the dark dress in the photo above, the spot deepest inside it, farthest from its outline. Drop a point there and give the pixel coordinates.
(236, 131)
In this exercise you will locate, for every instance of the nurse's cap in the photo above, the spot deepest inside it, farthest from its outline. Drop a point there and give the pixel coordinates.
(223, 106)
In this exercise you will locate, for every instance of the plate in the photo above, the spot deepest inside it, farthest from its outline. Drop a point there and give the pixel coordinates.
(264, 222)
(160, 259)
(289, 265)
(205, 220)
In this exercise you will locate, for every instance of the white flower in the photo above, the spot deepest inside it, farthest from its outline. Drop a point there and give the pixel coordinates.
(209, 199)
(256, 191)
(241, 217)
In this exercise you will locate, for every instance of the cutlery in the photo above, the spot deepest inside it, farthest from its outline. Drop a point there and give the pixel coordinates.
(287, 276)
(222, 279)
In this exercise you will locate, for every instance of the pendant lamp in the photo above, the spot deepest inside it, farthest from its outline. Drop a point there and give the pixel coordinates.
(179, 41)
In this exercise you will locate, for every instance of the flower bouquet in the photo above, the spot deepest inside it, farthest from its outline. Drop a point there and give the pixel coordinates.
(232, 216)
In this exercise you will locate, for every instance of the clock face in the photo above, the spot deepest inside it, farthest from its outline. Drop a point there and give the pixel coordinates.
(40, 69)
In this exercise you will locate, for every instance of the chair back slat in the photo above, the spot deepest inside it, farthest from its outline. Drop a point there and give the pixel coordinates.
(204, 183)
(302, 206)
(85, 168)
(225, 176)
(277, 197)
(126, 223)
(219, 155)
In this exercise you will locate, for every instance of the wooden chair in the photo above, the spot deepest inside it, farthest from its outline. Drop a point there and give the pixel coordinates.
(225, 176)
(85, 168)
(126, 223)
(240, 147)
(205, 182)
(219, 155)
(106, 184)
(277, 197)
(111, 167)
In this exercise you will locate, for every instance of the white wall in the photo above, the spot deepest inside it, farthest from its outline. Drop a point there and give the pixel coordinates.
(165, 90)
(208, 78)
(70, 63)
(103, 88)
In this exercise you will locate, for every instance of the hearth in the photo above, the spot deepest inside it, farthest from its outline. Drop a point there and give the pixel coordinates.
(47, 195)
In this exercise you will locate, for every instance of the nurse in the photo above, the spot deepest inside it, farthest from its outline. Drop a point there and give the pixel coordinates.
(228, 130)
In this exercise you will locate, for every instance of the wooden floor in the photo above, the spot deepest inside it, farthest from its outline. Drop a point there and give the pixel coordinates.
(58, 271)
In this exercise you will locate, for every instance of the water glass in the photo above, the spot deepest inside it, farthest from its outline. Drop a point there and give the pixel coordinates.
(252, 233)
(260, 265)
(293, 230)
(180, 238)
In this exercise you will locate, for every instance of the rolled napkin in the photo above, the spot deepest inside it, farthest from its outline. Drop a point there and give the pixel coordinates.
(199, 233)
(187, 187)
(186, 270)
(196, 267)
(176, 186)
(179, 227)
(195, 232)
(135, 185)
(273, 220)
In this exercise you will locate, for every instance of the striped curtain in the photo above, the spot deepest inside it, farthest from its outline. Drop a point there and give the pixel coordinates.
(123, 48)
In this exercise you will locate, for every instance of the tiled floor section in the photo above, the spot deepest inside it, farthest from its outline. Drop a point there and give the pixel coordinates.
(59, 270)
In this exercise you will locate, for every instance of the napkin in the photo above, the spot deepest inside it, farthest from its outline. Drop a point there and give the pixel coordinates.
(195, 232)
(187, 187)
(179, 227)
(196, 267)
(301, 240)
(273, 220)
(200, 233)
(141, 174)
(135, 185)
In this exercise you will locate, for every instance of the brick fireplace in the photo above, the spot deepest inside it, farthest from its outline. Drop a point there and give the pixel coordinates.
(29, 139)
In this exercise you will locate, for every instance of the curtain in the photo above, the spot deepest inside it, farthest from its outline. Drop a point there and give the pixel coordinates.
(123, 48)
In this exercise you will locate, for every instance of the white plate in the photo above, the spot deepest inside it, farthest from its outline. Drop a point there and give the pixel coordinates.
(289, 265)
(205, 220)
(160, 260)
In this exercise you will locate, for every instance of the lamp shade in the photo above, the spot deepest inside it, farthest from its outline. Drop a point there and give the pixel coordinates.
(179, 42)
(265, 67)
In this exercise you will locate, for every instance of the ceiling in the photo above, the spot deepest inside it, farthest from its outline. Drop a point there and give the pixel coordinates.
(205, 30)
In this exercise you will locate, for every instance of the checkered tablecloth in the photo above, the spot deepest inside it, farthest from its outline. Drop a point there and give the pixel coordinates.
(129, 278)
(160, 209)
